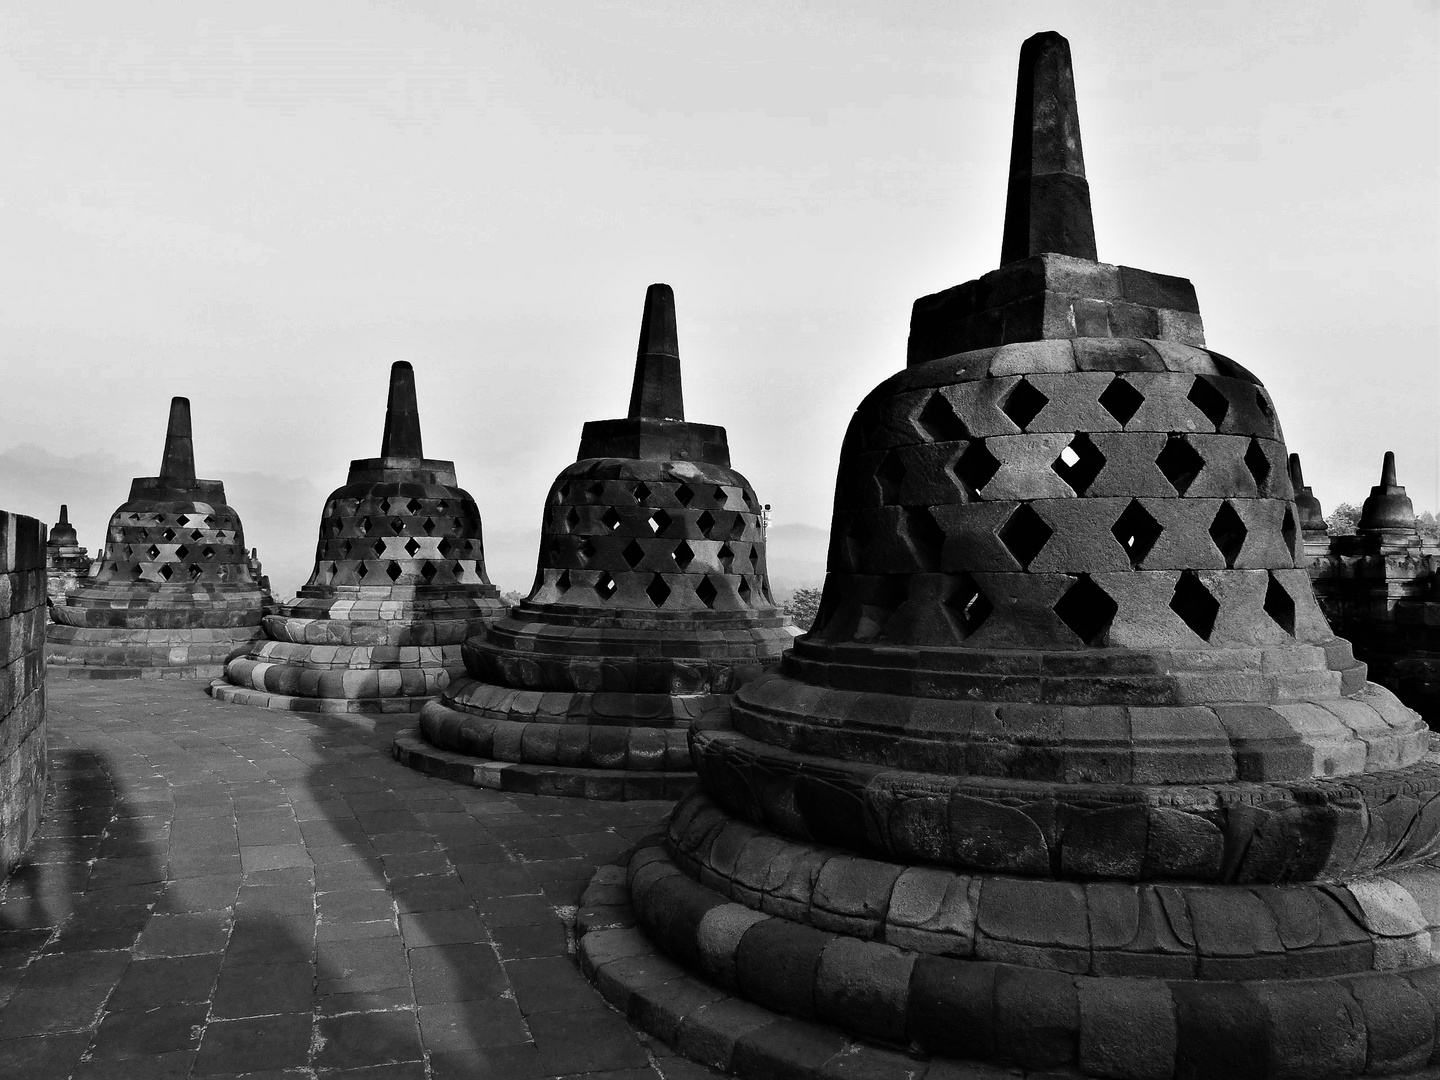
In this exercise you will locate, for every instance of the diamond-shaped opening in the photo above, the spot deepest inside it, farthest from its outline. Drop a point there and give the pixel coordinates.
(755, 558)
(938, 420)
(220, 534)
(378, 547)
(195, 571)
(1228, 532)
(1287, 531)
(1194, 604)
(660, 521)
(1024, 534)
(207, 553)
(153, 552)
(610, 519)
(1258, 464)
(744, 591)
(1180, 462)
(444, 547)
(563, 582)
(572, 519)
(413, 506)
(1209, 400)
(428, 525)
(182, 521)
(182, 552)
(428, 572)
(976, 468)
(365, 524)
(442, 505)
(707, 592)
(384, 506)
(926, 537)
(1137, 532)
(658, 591)
(168, 535)
(633, 553)
(1079, 463)
(684, 556)
(641, 492)
(1121, 400)
(345, 549)
(361, 570)
(209, 519)
(392, 571)
(196, 534)
(1087, 609)
(597, 489)
(166, 572)
(1024, 403)
(705, 522)
(968, 606)
(458, 570)
(587, 550)
(1262, 402)
(412, 546)
(159, 519)
(890, 475)
(737, 527)
(719, 494)
(137, 572)
(605, 586)
(726, 556)
(397, 526)
(683, 495)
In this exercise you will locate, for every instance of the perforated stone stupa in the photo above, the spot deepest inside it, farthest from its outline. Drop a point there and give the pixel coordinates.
(651, 604)
(172, 595)
(399, 583)
(1070, 777)
(67, 564)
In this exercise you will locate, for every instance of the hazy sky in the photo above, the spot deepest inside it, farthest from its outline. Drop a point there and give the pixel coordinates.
(262, 205)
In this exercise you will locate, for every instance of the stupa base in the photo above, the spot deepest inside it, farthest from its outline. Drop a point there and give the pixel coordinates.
(88, 652)
(615, 785)
(719, 931)
(122, 671)
(222, 690)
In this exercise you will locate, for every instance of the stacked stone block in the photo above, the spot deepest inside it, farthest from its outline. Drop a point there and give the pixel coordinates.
(67, 564)
(22, 683)
(1380, 587)
(399, 583)
(172, 595)
(1070, 777)
(651, 605)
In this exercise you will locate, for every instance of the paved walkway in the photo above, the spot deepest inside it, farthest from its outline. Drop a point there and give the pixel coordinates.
(219, 890)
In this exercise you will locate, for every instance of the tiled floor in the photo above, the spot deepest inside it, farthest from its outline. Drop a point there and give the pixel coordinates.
(219, 890)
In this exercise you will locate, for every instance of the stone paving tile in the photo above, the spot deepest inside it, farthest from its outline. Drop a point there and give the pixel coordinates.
(219, 891)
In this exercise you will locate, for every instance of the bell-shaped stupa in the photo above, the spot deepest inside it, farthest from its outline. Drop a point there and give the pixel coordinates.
(1314, 531)
(67, 563)
(1070, 777)
(651, 604)
(399, 583)
(172, 595)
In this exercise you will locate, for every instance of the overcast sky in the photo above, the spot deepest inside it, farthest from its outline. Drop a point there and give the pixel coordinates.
(262, 205)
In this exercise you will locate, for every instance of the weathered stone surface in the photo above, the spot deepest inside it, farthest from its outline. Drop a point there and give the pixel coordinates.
(23, 756)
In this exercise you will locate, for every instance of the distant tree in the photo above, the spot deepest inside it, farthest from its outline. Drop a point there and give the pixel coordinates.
(1427, 524)
(1344, 518)
(511, 597)
(803, 606)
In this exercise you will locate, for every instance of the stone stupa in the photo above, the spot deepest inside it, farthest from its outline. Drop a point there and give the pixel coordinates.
(1313, 529)
(67, 564)
(651, 605)
(172, 595)
(399, 583)
(1070, 778)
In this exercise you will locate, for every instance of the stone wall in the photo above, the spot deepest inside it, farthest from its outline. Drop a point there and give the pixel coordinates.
(22, 683)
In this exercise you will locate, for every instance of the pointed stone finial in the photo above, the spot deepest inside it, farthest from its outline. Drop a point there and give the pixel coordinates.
(1388, 507)
(1297, 477)
(1047, 206)
(64, 515)
(656, 392)
(402, 415)
(177, 467)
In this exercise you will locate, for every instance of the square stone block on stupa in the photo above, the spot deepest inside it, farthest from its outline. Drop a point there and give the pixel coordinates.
(651, 606)
(1070, 778)
(399, 583)
(172, 594)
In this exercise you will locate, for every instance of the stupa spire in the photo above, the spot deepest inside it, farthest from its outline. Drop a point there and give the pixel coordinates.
(178, 463)
(656, 392)
(1047, 206)
(402, 415)
(64, 515)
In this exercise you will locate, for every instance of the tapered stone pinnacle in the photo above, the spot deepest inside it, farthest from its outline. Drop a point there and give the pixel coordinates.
(1387, 471)
(402, 415)
(178, 465)
(1297, 477)
(656, 392)
(1047, 206)
(64, 515)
